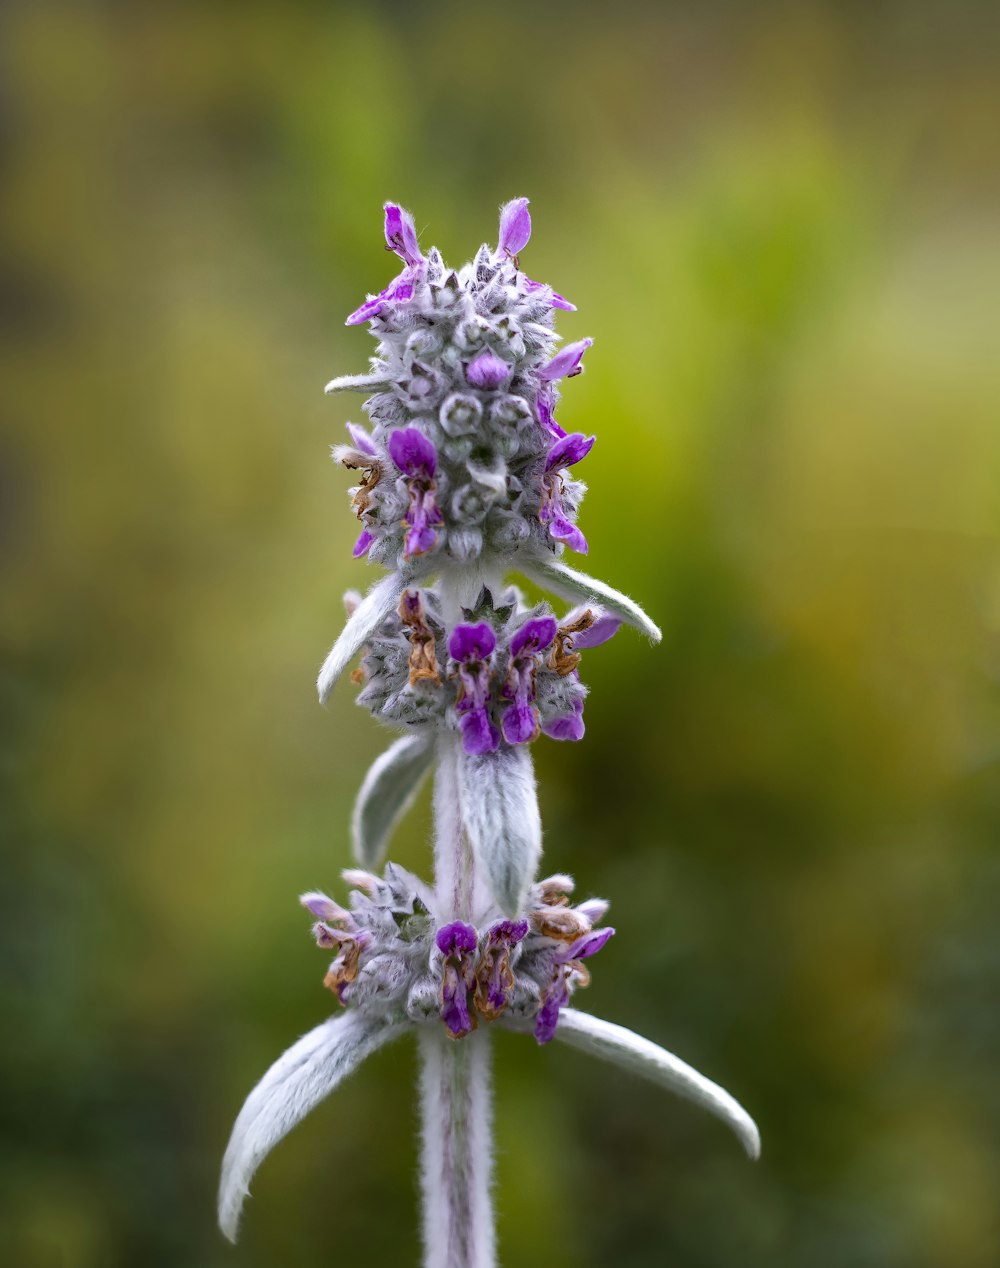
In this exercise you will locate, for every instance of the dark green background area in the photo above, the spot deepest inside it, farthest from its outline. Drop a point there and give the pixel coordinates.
(780, 225)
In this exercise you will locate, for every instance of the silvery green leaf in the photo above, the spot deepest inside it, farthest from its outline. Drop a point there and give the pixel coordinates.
(357, 383)
(573, 585)
(387, 793)
(500, 812)
(294, 1085)
(642, 1057)
(361, 624)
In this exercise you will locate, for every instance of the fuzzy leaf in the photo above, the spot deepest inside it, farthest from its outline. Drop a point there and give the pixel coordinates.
(294, 1085)
(357, 383)
(361, 624)
(573, 585)
(643, 1057)
(500, 813)
(388, 791)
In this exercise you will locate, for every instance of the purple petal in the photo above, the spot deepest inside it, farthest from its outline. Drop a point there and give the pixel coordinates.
(563, 531)
(589, 944)
(456, 938)
(544, 405)
(507, 932)
(604, 627)
(362, 544)
(487, 371)
(399, 290)
(569, 727)
(322, 907)
(548, 1015)
(520, 723)
(479, 735)
(515, 226)
(569, 450)
(566, 363)
(362, 441)
(412, 452)
(472, 642)
(534, 636)
(401, 234)
(370, 308)
(555, 299)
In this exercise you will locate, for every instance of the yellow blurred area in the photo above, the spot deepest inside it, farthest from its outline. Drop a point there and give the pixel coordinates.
(780, 225)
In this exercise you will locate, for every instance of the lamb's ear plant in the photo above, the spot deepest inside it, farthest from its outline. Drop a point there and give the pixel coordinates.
(464, 478)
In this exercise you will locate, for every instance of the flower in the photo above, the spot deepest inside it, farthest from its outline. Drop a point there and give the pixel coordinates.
(401, 237)
(471, 647)
(416, 457)
(520, 720)
(565, 453)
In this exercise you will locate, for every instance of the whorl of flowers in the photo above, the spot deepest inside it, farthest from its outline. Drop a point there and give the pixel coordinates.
(462, 478)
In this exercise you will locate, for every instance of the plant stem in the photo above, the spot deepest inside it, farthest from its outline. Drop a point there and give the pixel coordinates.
(455, 1082)
(457, 1162)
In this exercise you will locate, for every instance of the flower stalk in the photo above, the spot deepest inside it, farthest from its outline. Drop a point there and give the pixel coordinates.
(466, 477)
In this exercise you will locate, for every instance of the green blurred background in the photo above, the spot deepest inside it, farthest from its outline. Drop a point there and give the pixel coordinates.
(780, 224)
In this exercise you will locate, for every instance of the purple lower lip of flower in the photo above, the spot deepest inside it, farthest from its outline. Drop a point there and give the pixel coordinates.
(534, 636)
(401, 234)
(515, 226)
(548, 1015)
(397, 292)
(569, 450)
(479, 735)
(566, 363)
(603, 628)
(589, 944)
(456, 938)
(558, 301)
(471, 642)
(487, 371)
(563, 531)
(544, 406)
(569, 727)
(413, 453)
(362, 544)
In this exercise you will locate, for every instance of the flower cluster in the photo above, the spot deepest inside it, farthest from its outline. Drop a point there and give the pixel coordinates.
(394, 958)
(465, 455)
(505, 674)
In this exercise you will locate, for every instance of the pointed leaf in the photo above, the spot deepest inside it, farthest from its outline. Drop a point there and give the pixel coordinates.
(645, 1058)
(388, 792)
(573, 585)
(500, 812)
(362, 623)
(294, 1085)
(357, 383)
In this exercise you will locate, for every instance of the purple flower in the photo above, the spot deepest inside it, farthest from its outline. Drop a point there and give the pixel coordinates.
(472, 646)
(362, 544)
(362, 440)
(568, 727)
(494, 976)
(606, 626)
(487, 371)
(515, 227)
(567, 964)
(457, 943)
(564, 453)
(545, 404)
(566, 363)
(520, 721)
(401, 237)
(515, 230)
(416, 457)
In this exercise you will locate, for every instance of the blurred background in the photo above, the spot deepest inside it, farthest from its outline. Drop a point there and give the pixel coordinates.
(780, 224)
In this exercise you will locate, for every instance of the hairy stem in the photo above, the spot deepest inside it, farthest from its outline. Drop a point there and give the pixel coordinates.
(455, 1084)
(457, 1161)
